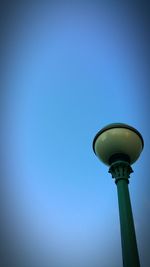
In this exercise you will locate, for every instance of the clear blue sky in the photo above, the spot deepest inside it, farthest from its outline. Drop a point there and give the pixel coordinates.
(71, 69)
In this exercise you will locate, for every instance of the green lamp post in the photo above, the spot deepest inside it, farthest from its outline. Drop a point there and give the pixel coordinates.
(119, 145)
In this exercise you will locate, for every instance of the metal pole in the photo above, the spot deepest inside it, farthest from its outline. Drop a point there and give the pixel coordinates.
(120, 171)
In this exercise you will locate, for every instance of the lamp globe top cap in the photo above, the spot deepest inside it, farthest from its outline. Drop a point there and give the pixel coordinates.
(118, 141)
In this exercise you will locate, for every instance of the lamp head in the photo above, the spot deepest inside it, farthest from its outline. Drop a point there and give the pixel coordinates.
(118, 141)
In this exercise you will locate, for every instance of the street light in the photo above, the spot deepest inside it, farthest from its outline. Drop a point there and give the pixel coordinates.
(119, 145)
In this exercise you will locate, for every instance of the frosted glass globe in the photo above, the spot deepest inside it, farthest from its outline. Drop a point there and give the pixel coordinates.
(118, 139)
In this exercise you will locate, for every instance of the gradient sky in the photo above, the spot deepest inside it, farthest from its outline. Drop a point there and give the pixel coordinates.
(69, 70)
